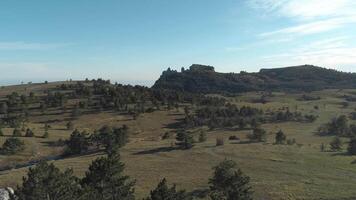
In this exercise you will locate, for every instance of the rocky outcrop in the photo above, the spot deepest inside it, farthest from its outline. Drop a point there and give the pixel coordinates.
(5, 193)
(204, 79)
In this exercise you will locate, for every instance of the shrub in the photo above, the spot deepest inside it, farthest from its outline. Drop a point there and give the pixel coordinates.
(322, 147)
(202, 136)
(166, 135)
(70, 125)
(29, 133)
(12, 146)
(16, 133)
(164, 192)
(234, 137)
(291, 141)
(280, 137)
(219, 141)
(336, 144)
(258, 135)
(46, 134)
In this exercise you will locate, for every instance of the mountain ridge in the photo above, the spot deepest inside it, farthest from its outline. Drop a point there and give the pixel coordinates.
(204, 79)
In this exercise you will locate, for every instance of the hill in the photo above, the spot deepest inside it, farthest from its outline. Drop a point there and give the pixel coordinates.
(204, 79)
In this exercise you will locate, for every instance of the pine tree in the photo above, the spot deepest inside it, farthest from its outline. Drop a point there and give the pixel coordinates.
(29, 133)
(12, 146)
(258, 135)
(163, 192)
(77, 143)
(45, 181)
(229, 183)
(184, 139)
(106, 180)
(280, 137)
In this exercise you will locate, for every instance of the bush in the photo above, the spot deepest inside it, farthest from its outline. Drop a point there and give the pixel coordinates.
(46, 134)
(336, 144)
(258, 135)
(280, 137)
(220, 141)
(1, 132)
(234, 137)
(164, 192)
(12, 146)
(291, 141)
(70, 125)
(166, 135)
(16, 133)
(202, 136)
(29, 133)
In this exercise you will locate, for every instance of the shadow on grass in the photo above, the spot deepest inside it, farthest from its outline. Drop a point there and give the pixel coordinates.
(199, 193)
(340, 154)
(175, 125)
(53, 143)
(157, 150)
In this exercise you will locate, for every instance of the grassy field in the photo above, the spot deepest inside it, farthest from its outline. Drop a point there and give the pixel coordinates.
(299, 171)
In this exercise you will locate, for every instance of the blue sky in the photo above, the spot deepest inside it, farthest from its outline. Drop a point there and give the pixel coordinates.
(132, 41)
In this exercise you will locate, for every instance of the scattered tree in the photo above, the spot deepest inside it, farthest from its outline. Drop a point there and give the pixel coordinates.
(258, 135)
(164, 192)
(336, 144)
(45, 181)
(29, 133)
(280, 137)
(12, 146)
(220, 141)
(70, 125)
(185, 140)
(202, 136)
(229, 183)
(77, 143)
(106, 180)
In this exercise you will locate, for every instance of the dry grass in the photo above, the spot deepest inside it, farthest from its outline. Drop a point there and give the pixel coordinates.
(277, 171)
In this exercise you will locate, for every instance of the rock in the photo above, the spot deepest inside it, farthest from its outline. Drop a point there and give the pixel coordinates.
(5, 193)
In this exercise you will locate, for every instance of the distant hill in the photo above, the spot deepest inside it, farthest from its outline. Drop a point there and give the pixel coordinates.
(204, 79)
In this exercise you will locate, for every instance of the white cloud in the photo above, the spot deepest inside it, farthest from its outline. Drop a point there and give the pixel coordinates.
(30, 46)
(333, 52)
(313, 27)
(311, 16)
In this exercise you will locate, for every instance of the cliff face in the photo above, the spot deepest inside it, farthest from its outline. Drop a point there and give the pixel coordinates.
(204, 79)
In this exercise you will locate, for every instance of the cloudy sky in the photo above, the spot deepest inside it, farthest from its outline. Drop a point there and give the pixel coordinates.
(132, 41)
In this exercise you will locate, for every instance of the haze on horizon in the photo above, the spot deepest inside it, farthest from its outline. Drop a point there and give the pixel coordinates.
(133, 41)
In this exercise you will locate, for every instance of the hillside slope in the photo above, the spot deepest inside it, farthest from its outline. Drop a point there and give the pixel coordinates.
(204, 79)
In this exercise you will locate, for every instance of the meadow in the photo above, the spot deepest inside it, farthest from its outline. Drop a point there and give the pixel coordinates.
(299, 171)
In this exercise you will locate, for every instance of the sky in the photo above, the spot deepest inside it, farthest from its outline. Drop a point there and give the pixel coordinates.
(133, 41)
